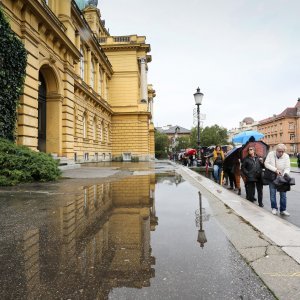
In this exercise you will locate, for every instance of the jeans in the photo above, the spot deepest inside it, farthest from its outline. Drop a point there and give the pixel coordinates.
(273, 198)
(217, 172)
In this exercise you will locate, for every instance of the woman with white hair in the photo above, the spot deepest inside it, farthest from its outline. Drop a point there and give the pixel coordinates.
(279, 162)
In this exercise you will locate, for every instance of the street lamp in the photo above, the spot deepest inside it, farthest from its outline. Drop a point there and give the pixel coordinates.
(198, 101)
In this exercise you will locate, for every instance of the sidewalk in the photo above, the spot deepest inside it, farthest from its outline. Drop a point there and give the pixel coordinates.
(274, 252)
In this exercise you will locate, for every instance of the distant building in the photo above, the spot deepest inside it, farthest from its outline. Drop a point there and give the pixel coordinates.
(283, 128)
(171, 130)
(247, 123)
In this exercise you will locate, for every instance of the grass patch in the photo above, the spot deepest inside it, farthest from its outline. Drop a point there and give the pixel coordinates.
(293, 162)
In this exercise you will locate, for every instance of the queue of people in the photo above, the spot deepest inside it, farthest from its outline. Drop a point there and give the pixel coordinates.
(251, 169)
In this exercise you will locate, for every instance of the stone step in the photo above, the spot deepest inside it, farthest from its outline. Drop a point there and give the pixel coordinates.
(69, 167)
(65, 162)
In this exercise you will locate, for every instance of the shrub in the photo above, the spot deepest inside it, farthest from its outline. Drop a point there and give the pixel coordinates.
(118, 158)
(21, 164)
(13, 60)
(161, 154)
(135, 159)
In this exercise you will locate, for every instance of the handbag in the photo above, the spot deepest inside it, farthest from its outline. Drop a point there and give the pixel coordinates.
(268, 176)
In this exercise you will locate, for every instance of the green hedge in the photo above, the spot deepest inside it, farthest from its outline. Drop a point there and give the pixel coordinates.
(21, 164)
(13, 60)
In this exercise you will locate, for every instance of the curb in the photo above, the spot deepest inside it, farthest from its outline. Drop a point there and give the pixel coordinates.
(281, 232)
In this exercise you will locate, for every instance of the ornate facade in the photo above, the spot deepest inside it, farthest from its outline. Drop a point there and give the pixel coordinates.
(86, 95)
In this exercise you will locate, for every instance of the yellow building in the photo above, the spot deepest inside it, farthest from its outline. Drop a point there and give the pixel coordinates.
(86, 95)
(96, 239)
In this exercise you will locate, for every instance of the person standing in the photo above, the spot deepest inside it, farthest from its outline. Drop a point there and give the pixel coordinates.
(279, 162)
(218, 158)
(252, 170)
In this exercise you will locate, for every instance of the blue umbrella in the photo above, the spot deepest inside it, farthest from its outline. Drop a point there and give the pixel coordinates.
(244, 136)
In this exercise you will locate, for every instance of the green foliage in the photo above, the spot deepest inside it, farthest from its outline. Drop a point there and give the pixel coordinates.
(118, 159)
(13, 60)
(183, 142)
(213, 135)
(161, 144)
(135, 159)
(20, 164)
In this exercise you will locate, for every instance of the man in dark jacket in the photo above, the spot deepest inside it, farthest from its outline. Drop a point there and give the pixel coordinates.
(252, 170)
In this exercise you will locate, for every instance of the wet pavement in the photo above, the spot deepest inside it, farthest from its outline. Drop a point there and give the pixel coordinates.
(125, 237)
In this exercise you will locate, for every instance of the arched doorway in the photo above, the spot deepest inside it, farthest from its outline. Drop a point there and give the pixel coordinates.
(42, 114)
(49, 111)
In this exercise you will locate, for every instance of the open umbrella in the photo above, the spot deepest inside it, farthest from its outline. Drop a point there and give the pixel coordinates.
(244, 136)
(231, 156)
(190, 151)
(261, 149)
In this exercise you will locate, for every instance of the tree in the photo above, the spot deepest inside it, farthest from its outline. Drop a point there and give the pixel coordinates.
(13, 60)
(183, 142)
(213, 135)
(161, 144)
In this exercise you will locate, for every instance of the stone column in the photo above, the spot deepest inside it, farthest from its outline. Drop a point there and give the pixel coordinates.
(88, 67)
(96, 79)
(144, 85)
(151, 108)
(77, 44)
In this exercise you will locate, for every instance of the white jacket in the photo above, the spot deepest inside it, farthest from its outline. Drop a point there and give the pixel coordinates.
(282, 164)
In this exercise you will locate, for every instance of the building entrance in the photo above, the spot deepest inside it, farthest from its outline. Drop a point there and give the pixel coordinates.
(42, 114)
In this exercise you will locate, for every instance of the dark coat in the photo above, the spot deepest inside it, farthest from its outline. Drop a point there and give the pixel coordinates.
(252, 168)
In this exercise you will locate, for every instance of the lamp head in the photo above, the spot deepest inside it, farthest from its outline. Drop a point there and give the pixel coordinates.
(198, 97)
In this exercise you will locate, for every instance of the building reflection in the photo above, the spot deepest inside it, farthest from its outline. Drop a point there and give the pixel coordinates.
(94, 243)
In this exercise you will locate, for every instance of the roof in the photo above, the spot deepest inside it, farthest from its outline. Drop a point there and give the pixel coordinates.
(171, 130)
(248, 120)
(288, 112)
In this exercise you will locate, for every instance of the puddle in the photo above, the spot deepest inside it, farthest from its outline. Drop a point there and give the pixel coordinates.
(132, 238)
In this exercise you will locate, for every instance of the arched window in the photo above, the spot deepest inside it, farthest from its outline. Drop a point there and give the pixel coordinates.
(108, 133)
(101, 131)
(95, 129)
(100, 82)
(105, 133)
(85, 125)
(92, 75)
(81, 63)
(74, 121)
(106, 90)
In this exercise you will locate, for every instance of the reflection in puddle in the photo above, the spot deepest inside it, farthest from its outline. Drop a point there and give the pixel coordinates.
(98, 241)
(201, 216)
(97, 244)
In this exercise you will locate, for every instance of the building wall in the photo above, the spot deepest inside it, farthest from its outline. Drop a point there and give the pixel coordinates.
(84, 87)
(132, 117)
(282, 130)
(131, 135)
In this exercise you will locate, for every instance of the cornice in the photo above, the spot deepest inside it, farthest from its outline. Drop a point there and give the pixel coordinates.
(42, 11)
(85, 90)
(120, 47)
(83, 23)
(138, 113)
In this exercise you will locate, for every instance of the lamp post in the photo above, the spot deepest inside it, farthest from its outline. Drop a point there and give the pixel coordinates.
(198, 101)
(201, 232)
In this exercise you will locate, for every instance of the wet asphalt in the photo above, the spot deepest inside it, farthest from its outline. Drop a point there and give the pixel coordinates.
(126, 237)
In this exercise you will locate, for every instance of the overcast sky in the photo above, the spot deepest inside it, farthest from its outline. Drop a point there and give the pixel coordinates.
(243, 54)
